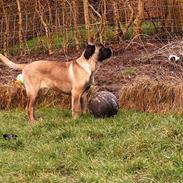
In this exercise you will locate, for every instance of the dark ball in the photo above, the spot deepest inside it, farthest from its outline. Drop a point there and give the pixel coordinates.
(103, 104)
(9, 136)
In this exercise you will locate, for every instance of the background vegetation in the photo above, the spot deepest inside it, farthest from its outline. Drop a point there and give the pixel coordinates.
(131, 147)
(29, 26)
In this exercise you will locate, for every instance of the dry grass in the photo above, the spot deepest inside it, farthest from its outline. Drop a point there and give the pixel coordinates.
(14, 95)
(143, 94)
(152, 96)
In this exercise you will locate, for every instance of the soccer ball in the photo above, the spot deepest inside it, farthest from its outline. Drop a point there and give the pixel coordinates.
(103, 104)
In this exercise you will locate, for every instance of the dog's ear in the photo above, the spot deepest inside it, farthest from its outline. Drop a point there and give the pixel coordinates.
(89, 51)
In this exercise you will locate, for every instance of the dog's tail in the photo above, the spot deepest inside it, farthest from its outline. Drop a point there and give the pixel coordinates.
(11, 64)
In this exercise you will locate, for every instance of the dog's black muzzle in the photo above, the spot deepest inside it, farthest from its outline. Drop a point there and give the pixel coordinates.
(104, 53)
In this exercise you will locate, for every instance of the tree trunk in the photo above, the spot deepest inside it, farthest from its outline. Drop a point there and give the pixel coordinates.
(20, 29)
(87, 21)
(138, 19)
(64, 27)
(6, 33)
(130, 21)
(41, 16)
(103, 20)
(102, 17)
(118, 26)
(75, 22)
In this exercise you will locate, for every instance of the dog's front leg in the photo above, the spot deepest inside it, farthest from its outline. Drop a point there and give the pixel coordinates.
(84, 103)
(76, 106)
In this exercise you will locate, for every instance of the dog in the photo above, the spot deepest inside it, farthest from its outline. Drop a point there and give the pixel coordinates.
(73, 77)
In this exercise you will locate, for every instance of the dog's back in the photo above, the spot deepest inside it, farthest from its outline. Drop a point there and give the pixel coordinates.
(48, 74)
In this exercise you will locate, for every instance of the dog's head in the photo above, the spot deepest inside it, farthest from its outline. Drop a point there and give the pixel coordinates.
(98, 52)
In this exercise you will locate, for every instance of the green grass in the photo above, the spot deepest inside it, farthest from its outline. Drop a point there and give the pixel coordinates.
(131, 147)
(128, 71)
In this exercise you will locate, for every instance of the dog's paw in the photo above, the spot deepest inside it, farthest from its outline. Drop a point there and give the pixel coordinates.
(75, 115)
(40, 119)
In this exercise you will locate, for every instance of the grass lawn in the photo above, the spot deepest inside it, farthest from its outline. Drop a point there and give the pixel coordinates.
(131, 147)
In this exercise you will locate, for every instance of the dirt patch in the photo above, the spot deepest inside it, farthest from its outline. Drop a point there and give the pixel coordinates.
(125, 68)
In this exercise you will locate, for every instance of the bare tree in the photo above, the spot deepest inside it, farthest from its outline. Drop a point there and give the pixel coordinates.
(6, 33)
(87, 21)
(130, 21)
(116, 16)
(75, 22)
(63, 26)
(39, 10)
(121, 30)
(102, 20)
(20, 28)
(138, 19)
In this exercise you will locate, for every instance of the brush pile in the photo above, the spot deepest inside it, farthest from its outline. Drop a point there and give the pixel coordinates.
(153, 94)
(175, 48)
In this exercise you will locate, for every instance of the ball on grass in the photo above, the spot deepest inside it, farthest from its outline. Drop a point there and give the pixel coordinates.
(103, 104)
(9, 136)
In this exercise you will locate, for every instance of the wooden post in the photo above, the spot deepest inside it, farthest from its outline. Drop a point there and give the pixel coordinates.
(75, 22)
(138, 19)
(20, 29)
(118, 26)
(64, 28)
(87, 21)
(40, 14)
(6, 33)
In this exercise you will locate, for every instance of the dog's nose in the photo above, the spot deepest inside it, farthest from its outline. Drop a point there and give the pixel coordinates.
(108, 52)
(104, 53)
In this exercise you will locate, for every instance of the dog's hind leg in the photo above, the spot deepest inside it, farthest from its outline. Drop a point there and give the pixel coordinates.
(30, 107)
(32, 95)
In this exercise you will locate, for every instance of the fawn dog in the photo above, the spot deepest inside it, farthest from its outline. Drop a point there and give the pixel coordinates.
(73, 77)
